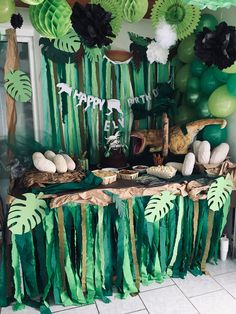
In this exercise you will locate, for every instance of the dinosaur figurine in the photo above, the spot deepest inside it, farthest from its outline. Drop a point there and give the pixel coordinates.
(179, 139)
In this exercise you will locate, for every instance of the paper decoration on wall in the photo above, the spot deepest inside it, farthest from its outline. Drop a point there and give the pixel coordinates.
(138, 48)
(217, 47)
(25, 214)
(156, 53)
(56, 55)
(211, 4)
(134, 10)
(7, 8)
(68, 43)
(115, 9)
(158, 206)
(219, 192)
(32, 2)
(18, 85)
(113, 143)
(94, 54)
(51, 18)
(16, 21)
(176, 12)
(93, 25)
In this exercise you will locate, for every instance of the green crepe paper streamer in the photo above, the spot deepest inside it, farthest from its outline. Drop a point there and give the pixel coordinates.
(22, 221)
(157, 271)
(90, 263)
(163, 248)
(4, 298)
(178, 234)
(61, 71)
(172, 229)
(108, 256)
(18, 295)
(18, 85)
(99, 257)
(226, 209)
(120, 226)
(40, 252)
(200, 238)
(74, 284)
(25, 247)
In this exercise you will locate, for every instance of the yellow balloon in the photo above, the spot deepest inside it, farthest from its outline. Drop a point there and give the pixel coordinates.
(7, 8)
(231, 69)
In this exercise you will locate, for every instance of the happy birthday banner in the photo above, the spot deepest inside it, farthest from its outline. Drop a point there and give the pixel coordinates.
(112, 104)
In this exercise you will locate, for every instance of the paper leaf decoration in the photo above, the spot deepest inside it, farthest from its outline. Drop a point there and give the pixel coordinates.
(26, 214)
(139, 40)
(18, 85)
(134, 10)
(159, 206)
(93, 53)
(219, 191)
(68, 43)
(56, 55)
(176, 12)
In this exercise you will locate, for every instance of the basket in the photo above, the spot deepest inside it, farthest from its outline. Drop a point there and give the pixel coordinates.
(164, 172)
(108, 177)
(128, 174)
(37, 178)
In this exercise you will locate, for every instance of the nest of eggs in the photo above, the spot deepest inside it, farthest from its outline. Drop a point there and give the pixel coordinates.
(40, 179)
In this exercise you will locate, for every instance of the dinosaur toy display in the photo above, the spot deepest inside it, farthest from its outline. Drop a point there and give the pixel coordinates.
(180, 138)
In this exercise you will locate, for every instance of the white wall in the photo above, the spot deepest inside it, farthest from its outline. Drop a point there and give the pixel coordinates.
(228, 15)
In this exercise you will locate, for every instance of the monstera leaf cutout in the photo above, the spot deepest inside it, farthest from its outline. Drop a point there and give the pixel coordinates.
(94, 54)
(26, 214)
(18, 85)
(68, 43)
(159, 206)
(219, 191)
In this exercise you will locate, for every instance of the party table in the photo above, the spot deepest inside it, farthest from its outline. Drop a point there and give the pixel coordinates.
(93, 240)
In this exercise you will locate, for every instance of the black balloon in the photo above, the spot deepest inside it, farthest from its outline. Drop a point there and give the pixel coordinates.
(217, 47)
(93, 24)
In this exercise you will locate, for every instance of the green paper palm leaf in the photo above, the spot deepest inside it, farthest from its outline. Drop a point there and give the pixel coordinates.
(18, 85)
(218, 193)
(26, 214)
(93, 53)
(159, 206)
(68, 43)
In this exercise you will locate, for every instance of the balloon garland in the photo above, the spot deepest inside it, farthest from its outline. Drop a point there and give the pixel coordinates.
(207, 78)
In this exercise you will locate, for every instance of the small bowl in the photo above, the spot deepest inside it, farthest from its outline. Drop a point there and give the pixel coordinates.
(140, 168)
(110, 169)
(107, 177)
(128, 174)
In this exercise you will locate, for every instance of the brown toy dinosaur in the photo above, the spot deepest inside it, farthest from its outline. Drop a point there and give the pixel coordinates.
(179, 142)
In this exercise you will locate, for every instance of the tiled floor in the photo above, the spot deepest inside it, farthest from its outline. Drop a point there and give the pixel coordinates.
(214, 294)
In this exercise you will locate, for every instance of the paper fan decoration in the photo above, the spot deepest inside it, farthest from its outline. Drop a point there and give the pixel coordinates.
(134, 10)
(176, 12)
(211, 4)
(51, 18)
(115, 9)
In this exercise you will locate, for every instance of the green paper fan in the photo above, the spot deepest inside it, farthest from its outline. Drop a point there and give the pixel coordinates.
(175, 12)
(116, 10)
(18, 85)
(25, 214)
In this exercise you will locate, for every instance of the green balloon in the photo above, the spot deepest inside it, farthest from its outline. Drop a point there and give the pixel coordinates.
(214, 135)
(207, 20)
(231, 84)
(186, 49)
(202, 109)
(182, 78)
(193, 84)
(197, 68)
(208, 82)
(220, 75)
(192, 98)
(221, 104)
(185, 114)
(7, 8)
